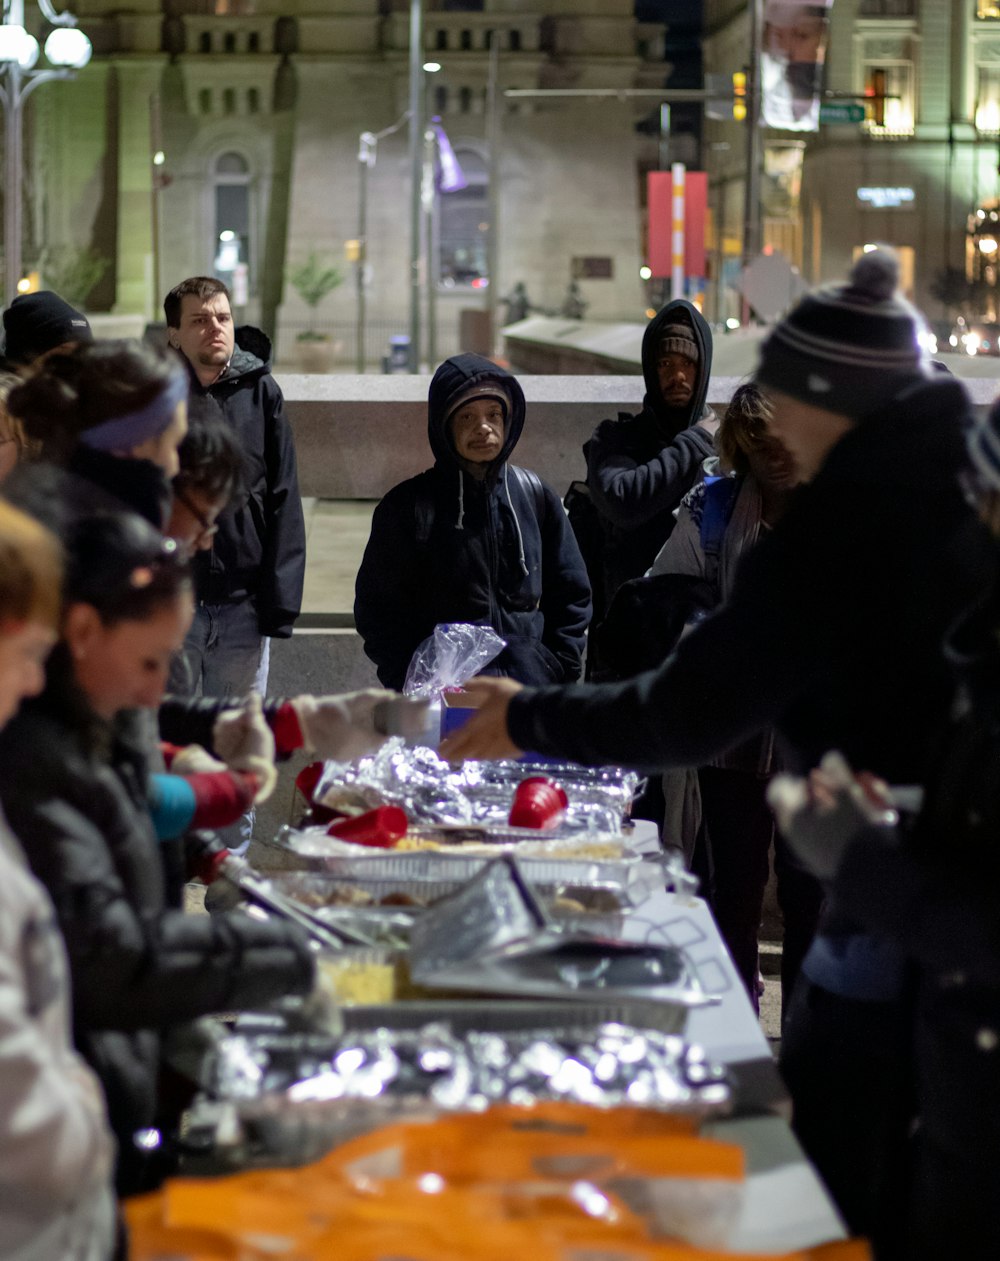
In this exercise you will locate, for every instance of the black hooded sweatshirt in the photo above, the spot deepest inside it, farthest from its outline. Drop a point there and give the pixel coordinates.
(259, 552)
(445, 547)
(640, 467)
(833, 630)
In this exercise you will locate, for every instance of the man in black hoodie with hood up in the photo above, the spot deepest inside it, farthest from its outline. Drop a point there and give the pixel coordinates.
(640, 467)
(474, 539)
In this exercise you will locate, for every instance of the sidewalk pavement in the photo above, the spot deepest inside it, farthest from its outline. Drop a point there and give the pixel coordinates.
(336, 533)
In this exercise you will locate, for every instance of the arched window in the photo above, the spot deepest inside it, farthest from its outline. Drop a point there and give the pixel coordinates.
(253, 101)
(253, 42)
(229, 100)
(205, 42)
(463, 226)
(231, 190)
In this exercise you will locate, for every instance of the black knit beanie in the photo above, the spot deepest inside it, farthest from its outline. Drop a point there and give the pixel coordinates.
(37, 322)
(848, 348)
(679, 339)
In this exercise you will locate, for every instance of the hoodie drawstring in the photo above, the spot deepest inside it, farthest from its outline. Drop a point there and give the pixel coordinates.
(517, 524)
(460, 523)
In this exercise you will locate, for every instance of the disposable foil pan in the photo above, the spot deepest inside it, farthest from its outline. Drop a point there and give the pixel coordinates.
(386, 870)
(516, 1015)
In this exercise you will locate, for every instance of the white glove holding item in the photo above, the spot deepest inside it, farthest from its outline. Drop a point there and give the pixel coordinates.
(823, 815)
(194, 760)
(341, 728)
(245, 742)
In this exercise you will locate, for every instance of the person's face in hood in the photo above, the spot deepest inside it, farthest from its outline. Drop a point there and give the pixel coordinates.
(477, 430)
(677, 375)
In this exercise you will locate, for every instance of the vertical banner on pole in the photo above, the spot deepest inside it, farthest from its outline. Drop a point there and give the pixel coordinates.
(660, 207)
(677, 173)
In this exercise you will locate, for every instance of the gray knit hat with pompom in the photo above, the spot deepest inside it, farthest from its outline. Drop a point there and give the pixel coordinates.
(848, 348)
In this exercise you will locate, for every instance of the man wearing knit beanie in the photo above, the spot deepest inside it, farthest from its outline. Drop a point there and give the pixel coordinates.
(37, 325)
(639, 467)
(832, 635)
(842, 354)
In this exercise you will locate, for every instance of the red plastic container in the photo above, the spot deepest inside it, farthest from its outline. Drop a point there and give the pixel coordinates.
(381, 827)
(538, 803)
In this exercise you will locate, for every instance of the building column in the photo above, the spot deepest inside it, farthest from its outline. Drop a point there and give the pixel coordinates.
(138, 79)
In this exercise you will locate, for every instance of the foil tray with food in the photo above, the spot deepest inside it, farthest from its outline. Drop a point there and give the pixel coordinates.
(433, 792)
(575, 865)
(280, 1098)
(384, 910)
(494, 935)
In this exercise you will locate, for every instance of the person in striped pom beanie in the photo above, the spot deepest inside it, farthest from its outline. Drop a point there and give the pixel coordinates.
(840, 355)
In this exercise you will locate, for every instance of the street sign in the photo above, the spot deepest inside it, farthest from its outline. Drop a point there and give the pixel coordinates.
(771, 285)
(841, 112)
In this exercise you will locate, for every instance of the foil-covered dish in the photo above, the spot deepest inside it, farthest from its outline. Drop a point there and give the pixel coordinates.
(272, 1097)
(433, 792)
(609, 1065)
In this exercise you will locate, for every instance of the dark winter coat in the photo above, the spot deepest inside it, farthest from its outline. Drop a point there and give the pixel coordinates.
(640, 467)
(937, 897)
(73, 789)
(496, 553)
(260, 549)
(834, 627)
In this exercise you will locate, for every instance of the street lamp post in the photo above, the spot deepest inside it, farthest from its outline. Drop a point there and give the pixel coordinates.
(67, 50)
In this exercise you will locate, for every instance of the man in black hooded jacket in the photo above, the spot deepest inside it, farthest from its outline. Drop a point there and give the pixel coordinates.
(640, 467)
(474, 539)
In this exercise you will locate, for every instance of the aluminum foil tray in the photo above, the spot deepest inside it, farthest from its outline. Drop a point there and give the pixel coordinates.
(515, 1015)
(633, 876)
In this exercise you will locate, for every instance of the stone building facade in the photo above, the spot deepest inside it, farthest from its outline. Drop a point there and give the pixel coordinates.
(920, 170)
(223, 135)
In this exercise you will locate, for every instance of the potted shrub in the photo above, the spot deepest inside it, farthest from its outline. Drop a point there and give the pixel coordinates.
(312, 280)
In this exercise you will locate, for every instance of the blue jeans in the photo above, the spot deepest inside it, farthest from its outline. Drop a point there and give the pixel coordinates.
(224, 655)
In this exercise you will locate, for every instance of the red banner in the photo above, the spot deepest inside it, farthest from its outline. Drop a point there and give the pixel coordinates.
(659, 204)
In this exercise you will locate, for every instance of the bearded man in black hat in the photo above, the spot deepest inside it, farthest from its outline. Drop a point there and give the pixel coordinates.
(640, 467)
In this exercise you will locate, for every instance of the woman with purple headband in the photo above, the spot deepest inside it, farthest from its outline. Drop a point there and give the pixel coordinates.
(112, 414)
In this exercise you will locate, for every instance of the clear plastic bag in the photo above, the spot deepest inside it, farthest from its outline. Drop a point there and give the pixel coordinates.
(455, 653)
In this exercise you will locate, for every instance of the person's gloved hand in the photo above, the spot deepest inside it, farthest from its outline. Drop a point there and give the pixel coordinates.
(242, 738)
(823, 815)
(341, 728)
(192, 759)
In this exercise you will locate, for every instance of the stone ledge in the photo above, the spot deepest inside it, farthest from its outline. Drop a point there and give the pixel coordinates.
(358, 435)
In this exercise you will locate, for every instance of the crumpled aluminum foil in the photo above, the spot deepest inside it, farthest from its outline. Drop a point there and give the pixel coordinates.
(432, 791)
(611, 1065)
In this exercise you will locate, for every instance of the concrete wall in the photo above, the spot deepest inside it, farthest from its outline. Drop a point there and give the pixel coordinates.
(357, 436)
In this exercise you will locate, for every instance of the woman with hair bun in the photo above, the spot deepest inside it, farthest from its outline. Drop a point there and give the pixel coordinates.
(113, 414)
(73, 782)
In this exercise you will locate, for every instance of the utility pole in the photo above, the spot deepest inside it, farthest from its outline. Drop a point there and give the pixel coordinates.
(751, 183)
(493, 105)
(416, 171)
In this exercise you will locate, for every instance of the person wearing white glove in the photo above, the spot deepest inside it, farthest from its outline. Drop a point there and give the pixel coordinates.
(822, 816)
(342, 728)
(244, 741)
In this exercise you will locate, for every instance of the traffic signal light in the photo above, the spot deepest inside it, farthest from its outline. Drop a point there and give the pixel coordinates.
(739, 95)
